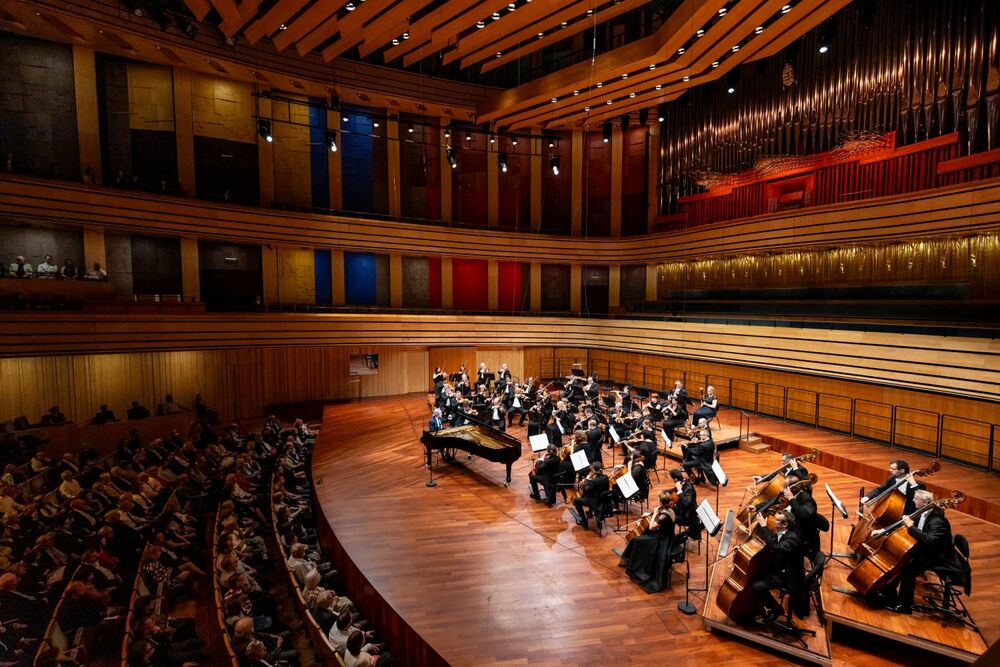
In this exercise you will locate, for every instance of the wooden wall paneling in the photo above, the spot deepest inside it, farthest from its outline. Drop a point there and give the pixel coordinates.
(184, 129)
(93, 248)
(296, 275)
(965, 440)
(915, 429)
(835, 413)
(88, 129)
(617, 144)
(417, 370)
(800, 406)
(873, 420)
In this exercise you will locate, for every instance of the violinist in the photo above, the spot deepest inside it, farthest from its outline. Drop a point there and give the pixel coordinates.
(545, 471)
(498, 414)
(788, 463)
(698, 458)
(626, 395)
(646, 558)
(902, 480)
(463, 387)
(803, 507)
(504, 374)
(482, 375)
(591, 389)
(438, 379)
(637, 466)
(674, 415)
(553, 432)
(709, 407)
(592, 487)
(687, 504)
(784, 570)
(595, 436)
(514, 401)
(567, 473)
(573, 390)
(932, 531)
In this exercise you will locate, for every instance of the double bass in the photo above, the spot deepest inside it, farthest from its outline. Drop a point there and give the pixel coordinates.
(884, 509)
(880, 565)
(773, 488)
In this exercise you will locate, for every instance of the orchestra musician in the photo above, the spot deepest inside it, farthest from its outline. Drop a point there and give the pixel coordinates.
(900, 477)
(628, 403)
(514, 401)
(436, 422)
(553, 432)
(932, 531)
(785, 568)
(591, 389)
(595, 484)
(498, 414)
(788, 462)
(464, 387)
(481, 374)
(646, 558)
(567, 473)
(504, 374)
(685, 510)
(438, 378)
(674, 415)
(572, 389)
(698, 458)
(595, 437)
(680, 393)
(801, 504)
(655, 407)
(709, 407)
(545, 471)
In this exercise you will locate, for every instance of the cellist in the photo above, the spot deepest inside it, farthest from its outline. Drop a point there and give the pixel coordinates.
(900, 477)
(784, 570)
(932, 531)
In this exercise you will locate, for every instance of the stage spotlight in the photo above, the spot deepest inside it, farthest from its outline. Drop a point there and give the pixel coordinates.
(554, 163)
(450, 154)
(513, 140)
(264, 130)
(624, 122)
(606, 131)
(502, 162)
(331, 140)
(643, 116)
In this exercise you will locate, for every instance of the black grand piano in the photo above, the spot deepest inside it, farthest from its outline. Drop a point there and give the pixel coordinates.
(478, 438)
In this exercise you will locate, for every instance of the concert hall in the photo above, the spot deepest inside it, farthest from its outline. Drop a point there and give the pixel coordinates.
(424, 333)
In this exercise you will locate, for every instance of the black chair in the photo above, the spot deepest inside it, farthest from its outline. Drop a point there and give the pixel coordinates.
(605, 509)
(678, 553)
(955, 573)
(812, 583)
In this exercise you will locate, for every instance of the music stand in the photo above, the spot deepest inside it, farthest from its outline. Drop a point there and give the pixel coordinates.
(837, 508)
(455, 377)
(710, 521)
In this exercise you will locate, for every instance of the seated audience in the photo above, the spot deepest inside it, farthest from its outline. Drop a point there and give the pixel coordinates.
(97, 272)
(20, 268)
(104, 416)
(137, 411)
(47, 269)
(68, 270)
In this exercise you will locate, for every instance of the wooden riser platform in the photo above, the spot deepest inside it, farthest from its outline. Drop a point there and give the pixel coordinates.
(816, 649)
(930, 633)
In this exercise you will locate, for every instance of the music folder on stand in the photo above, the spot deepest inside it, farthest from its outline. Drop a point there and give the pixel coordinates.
(837, 508)
(710, 520)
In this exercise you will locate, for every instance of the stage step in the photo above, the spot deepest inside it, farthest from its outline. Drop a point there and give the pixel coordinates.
(754, 445)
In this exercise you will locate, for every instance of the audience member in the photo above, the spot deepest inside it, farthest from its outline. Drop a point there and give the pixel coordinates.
(20, 268)
(47, 269)
(104, 416)
(68, 271)
(137, 411)
(97, 272)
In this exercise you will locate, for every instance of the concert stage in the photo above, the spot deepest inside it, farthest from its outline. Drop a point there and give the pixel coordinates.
(472, 573)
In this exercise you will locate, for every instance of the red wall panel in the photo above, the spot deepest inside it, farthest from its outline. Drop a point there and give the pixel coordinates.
(511, 286)
(470, 284)
(434, 281)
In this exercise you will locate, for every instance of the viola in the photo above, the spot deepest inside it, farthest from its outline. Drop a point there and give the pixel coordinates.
(884, 509)
(883, 560)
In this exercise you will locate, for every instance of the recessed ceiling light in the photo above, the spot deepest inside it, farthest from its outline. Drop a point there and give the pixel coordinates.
(282, 27)
(699, 33)
(586, 108)
(590, 12)
(715, 64)
(480, 24)
(395, 42)
(554, 100)
(599, 84)
(499, 54)
(496, 16)
(680, 51)
(759, 29)
(631, 94)
(824, 48)
(406, 35)
(610, 101)
(625, 75)
(350, 7)
(786, 9)
(736, 47)
(722, 12)
(511, 7)
(658, 86)
(375, 123)
(540, 35)
(576, 92)
(687, 78)
(653, 66)
(564, 24)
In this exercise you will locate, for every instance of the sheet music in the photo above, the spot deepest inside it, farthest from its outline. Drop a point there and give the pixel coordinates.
(539, 442)
(562, 429)
(626, 484)
(580, 460)
(667, 441)
(708, 517)
(496, 415)
(835, 500)
(614, 434)
(717, 469)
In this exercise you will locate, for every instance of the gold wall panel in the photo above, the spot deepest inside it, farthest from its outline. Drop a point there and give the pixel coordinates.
(223, 109)
(150, 97)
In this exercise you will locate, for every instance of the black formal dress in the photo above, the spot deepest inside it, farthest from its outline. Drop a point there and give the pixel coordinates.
(648, 557)
(685, 510)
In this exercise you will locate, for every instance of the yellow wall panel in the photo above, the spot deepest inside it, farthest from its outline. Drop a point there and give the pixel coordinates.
(292, 180)
(296, 275)
(223, 109)
(150, 97)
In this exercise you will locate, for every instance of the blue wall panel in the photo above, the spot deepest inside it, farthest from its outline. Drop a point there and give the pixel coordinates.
(359, 278)
(319, 164)
(323, 276)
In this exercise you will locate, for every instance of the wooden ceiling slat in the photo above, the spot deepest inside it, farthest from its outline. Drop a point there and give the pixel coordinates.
(323, 32)
(425, 50)
(380, 32)
(279, 14)
(366, 11)
(716, 43)
(247, 11)
(199, 8)
(570, 30)
(306, 22)
(227, 10)
(509, 23)
(811, 14)
(341, 45)
(422, 29)
(675, 30)
(447, 32)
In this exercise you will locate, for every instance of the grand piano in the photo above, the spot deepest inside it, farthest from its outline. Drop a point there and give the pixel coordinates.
(477, 438)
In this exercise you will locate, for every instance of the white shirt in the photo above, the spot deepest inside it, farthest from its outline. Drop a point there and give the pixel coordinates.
(47, 270)
(921, 521)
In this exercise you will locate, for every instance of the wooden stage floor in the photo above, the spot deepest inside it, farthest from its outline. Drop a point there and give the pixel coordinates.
(488, 577)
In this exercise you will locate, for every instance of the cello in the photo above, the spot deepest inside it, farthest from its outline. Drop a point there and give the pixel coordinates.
(773, 488)
(642, 523)
(735, 597)
(884, 509)
(881, 564)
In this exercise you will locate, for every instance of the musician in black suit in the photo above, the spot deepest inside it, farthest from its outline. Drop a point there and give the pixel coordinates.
(698, 459)
(899, 477)
(545, 471)
(513, 400)
(785, 568)
(553, 432)
(627, 403)
(504, 374)
(481, 374)
(595, 436)
(436, 422)
(591, 389)
(808, 522)
(680, 393)
(594, 485)
(674, 415)
(932, 531)
(687, 504)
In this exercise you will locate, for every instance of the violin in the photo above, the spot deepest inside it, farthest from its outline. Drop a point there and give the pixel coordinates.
(885, 508)
(881, 564)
